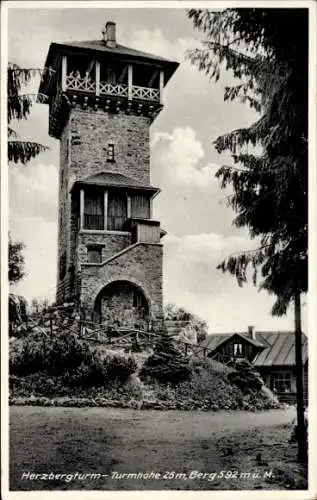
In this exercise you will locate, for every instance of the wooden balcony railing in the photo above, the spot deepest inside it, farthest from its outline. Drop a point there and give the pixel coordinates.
(145, 93)
(82, 84)
(112, 89)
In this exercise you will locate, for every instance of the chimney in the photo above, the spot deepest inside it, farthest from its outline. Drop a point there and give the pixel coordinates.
(251, 332)
(109, 35)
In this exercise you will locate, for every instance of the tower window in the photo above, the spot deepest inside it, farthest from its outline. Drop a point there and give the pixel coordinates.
(94, 210)
(110, 152)
(94, 254)
(117, 210)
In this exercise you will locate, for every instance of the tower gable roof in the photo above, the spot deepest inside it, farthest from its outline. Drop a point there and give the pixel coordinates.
(99, 48)
(114, 179)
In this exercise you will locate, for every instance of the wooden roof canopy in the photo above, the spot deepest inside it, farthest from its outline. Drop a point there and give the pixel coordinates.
(115, 180)
(104, 50)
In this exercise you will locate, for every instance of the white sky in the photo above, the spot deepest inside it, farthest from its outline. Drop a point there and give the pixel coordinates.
(191, 206)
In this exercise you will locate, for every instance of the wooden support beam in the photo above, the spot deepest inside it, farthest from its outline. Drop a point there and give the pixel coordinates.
(82, 208)
(97, 76)
(161, 85)
(130, 81)
(105, 210)
(128, 206)
(64, 73)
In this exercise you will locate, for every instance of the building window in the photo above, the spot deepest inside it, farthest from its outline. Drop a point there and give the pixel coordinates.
(117, 210)
(238, 349)
(110, 152)
(94, 255)
(281, 381)
(94, 210)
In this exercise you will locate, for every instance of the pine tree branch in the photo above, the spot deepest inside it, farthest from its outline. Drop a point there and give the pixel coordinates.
(24, 151)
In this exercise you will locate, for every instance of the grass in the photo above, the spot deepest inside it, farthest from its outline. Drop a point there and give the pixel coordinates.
(266, 455)
(103, 441)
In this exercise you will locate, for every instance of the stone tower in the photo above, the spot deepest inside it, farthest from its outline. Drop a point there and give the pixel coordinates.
(102, 100)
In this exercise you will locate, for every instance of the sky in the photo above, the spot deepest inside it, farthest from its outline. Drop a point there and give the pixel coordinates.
(191, 207)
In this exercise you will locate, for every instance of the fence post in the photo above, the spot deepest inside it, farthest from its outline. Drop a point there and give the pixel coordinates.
(51, 326)
(186, 349)
(44, 349)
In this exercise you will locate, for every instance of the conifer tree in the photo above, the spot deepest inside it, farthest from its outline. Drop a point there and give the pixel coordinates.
(267, 52)
(19, 151)
(19, 106)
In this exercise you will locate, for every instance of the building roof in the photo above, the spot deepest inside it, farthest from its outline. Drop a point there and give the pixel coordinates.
(281, 349)
(99, 48)
(276, 348)
(115, 179)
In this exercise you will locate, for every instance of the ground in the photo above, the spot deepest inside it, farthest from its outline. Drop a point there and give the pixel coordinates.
(174, 444)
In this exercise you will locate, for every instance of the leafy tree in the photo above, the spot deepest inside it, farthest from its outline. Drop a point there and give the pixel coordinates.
(270, 187)
(16, 261)
(174, 313)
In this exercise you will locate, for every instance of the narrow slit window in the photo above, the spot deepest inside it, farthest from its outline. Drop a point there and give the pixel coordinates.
(110, 152)
(94, 255)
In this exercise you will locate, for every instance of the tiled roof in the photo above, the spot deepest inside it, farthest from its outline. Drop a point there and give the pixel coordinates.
(214, 340)
(100, 46)
(115, 179)
(281, 351)
(279, 347)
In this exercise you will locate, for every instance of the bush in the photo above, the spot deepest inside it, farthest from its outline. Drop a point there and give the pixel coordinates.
(67, 352)
(26, 356)
(100, 372)
(246, 377)
(119, 367)
(40, 384)
(167, 363)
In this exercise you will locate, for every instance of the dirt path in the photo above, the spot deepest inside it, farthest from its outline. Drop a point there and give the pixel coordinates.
(103, 441)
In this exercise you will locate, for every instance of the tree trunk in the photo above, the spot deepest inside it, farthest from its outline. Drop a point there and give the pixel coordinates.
(301, 429)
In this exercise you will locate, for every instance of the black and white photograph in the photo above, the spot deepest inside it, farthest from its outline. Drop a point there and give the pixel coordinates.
(158, 202)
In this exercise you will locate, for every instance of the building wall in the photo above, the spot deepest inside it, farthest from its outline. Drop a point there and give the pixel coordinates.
(64, 221)
(286, 397)
(227, 348)
(83, 152)
(91, 131)
(141, 265)
(113, 243)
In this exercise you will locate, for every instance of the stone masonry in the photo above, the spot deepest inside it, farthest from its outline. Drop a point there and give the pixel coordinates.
(102, 100)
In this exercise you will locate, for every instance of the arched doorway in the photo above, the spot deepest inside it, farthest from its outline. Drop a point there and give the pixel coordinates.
(122, 303)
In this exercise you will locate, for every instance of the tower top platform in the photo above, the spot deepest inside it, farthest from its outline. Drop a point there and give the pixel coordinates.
(106, 49)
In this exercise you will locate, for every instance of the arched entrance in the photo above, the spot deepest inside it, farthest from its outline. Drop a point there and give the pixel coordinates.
(122, 303)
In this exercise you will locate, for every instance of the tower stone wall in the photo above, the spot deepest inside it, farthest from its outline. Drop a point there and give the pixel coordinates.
(90, 131)
(102, 100)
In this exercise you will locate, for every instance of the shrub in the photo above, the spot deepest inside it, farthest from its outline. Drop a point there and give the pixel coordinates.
(67, 352)
(92, 375)
(246, 377)
(119, 367)
(167, 363)
(26, 356)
